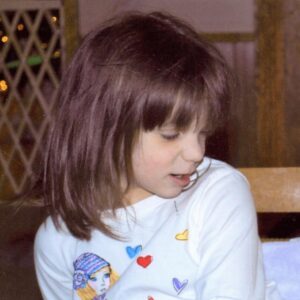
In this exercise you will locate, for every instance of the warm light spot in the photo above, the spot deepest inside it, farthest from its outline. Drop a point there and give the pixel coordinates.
(56, 54)
(44, 45)
(54, 19)
(4, 39)
(20, 27)
(3, 86)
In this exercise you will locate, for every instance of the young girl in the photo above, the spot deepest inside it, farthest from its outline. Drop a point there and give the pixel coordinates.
(126, 183)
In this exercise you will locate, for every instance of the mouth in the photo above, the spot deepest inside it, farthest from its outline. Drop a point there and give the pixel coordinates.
(182, 180)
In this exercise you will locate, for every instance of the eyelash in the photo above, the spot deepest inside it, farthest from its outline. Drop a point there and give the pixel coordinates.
(170, 137)
(174, 136)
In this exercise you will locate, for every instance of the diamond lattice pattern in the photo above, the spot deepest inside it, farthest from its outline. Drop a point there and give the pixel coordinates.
(30, 66)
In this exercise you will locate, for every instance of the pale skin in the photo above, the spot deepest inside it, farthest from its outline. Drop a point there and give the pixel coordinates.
(101, 281)
(163, 160)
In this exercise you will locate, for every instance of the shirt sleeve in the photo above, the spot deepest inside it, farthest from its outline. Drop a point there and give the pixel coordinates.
(225, 241)
(51, 265)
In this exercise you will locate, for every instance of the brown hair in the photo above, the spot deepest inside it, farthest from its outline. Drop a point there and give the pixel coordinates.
(125, 77)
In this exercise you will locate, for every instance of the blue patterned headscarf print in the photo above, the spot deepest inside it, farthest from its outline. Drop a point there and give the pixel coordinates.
(86, 265)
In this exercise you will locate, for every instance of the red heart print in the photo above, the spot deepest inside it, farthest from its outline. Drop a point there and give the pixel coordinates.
(144, 261)
(150, 298)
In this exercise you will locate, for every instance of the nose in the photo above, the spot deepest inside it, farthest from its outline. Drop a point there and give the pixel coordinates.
(194, 148)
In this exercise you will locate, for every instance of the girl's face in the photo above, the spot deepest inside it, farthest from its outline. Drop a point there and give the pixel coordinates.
(163, 161)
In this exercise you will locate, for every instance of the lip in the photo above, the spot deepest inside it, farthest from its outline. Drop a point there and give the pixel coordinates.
(182, 180)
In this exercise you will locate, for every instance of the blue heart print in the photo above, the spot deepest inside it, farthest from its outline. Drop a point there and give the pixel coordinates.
(178, 285)
(133, 251)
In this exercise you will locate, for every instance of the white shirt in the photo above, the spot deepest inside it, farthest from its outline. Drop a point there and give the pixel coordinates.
(200, 245)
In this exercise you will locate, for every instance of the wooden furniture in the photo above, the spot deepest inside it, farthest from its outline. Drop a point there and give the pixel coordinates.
(277, 198)
(275, 189)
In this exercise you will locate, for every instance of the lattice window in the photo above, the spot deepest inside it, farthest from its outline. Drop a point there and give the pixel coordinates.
(31, 59)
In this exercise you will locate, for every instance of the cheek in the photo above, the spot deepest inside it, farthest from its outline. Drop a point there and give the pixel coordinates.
(150, 156)
(95, 285)
(107, 281)
(151, 161)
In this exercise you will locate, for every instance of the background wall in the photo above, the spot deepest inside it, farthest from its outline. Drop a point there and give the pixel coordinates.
(205, 15)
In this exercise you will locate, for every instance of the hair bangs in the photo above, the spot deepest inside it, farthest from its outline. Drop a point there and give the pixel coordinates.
(178, 102)
(186, 87)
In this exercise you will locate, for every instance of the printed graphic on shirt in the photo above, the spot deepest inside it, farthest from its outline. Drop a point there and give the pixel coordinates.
(93, 276)
(144, 261)
(179, 285)
(133, 251)
(182, 236)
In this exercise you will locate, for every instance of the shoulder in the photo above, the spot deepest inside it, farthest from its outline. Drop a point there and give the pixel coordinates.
(218, 172)
(218, 180)
(54, 252)
(53, 243)
(49, 234)
(221, 192)
(222, 212)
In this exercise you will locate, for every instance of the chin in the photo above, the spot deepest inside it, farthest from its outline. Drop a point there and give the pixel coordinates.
(169, 194)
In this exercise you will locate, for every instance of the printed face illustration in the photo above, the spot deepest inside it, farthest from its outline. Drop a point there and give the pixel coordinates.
(92, 277)
(100, 281)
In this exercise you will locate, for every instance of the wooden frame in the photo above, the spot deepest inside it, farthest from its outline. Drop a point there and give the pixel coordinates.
(271, 135)
(275, 189)
(276, 193)
(71, 31)
(266, 127)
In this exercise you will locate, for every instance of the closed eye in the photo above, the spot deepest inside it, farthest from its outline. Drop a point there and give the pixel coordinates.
(169, 137)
